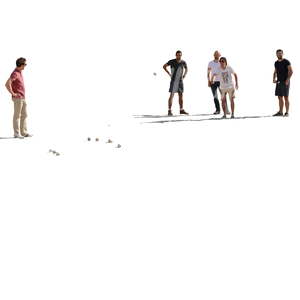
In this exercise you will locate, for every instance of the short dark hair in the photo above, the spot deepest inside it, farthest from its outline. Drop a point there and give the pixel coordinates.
(224, 58)
(178, 52)
(20, 62)
(279, 50)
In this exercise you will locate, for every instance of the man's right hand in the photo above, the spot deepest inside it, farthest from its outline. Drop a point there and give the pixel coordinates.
(209, 84)
(15, 95)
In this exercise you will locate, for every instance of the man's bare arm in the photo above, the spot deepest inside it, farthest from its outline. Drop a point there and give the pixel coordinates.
(185, 72)
(8, 86)
(290, 75)
(208, 76)
(213, 78)
(275, 76)
(165, 68)
(236, 81)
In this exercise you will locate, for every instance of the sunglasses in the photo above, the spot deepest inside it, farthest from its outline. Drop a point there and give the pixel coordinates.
(222, 61)
(279, 53)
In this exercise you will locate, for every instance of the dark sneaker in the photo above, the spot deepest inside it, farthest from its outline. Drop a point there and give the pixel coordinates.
(217, 112)
(224, 117)
(279, 114)
(183, 112)
(170, 113)
(232, 116)
(286, 114)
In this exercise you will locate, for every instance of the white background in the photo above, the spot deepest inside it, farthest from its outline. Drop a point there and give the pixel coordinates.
(193, 209)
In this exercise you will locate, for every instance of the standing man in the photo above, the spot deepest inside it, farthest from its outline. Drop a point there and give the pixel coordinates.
(176, 86)
(212, 68)
(15, 85)
(226, 84)
(283, 71)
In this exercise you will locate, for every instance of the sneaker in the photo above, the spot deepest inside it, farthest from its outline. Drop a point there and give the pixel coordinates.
(28, 135)
(286, 114)
(224, 117)
(18, 136)
(170, 113)
(232, 116)
(279, 114)
(183, 112)
(217, 112)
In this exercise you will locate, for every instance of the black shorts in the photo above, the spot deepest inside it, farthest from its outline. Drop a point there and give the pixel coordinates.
(176, 87)
(282, 89)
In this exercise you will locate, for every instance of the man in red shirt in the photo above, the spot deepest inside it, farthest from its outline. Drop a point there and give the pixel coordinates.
(15, 85)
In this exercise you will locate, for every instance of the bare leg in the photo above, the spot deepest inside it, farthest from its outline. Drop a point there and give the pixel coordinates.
(287, 103)
(180, 100)
(232, 106)
(224, 106)
(170, 100)
(227, 110)
(280, 104)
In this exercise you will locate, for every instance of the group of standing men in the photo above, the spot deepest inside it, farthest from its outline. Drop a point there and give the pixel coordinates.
(219, 76)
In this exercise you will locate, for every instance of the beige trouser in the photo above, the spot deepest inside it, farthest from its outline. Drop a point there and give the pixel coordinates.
(20, 112)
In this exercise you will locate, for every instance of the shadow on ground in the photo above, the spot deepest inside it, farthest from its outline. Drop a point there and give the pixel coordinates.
(187, 118)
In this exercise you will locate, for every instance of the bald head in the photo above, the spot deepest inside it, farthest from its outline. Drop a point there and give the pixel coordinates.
(217, 55)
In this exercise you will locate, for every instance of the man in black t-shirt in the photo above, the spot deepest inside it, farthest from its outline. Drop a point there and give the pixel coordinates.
(283, 72)
(176, 86)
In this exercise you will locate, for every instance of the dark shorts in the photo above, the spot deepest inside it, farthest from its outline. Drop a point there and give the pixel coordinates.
(282, 89)
(176, 87)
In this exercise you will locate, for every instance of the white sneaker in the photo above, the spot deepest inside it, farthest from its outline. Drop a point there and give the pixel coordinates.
(17, 136)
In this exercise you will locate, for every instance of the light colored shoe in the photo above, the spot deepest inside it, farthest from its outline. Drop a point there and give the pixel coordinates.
(18, 136)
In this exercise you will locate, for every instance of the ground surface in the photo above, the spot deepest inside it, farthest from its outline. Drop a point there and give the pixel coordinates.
(190, 207)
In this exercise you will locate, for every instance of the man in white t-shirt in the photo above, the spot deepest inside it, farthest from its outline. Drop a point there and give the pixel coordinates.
(226, 84)
(212, 68)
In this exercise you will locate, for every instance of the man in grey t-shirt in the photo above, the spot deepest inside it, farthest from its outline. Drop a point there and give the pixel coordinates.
(176, 86)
